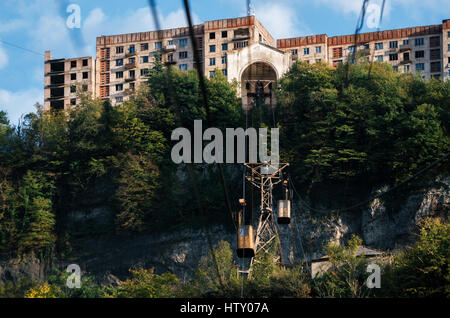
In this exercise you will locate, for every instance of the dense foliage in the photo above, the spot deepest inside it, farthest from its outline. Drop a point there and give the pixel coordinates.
(372, 129)
(97, 155)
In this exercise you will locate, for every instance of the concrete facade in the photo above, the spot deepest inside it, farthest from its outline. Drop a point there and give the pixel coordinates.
(243, 50)
(421, 50)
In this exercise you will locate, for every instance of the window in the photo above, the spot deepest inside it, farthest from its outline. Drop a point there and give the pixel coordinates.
(73, 64)
(132, 74)
(224, 72)
(212, 74)
(119, 99)
(420, 66)
(73, 76)
(393, 44)
(73, 102)
(406, 56)
(419, 54)
(435, 54)
(183, 67)
(337, 63)
(212, 61)
(119, 62)
(448, 47)
(418, 42)
(73, 89)
(379, 58)
(378, 46)
(405, 42)
(145, 72)
(132, 49)
(224, 34)
(85, 62)
(294, 52)
(224, 46)
(84, 88)
(212, 48)
(224, 59)
(448, 34)
(183, 55)
(366, 46)
(85, 75)
(144, 59)
(158, 45)
(435, 41)
(131, 60)
(393, 57)
(306, 51)
(119, 74)
(318, 49)
(170, 42)
(406, 68)
(337, 52)
(182, 42)
(212, 35)
(119, 50)
(395, 67)
(240, 44)
(144, 47)
(119, 87)
(351, 49)
(435, 67)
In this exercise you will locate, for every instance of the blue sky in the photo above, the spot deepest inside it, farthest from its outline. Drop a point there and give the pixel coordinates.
(40, 25)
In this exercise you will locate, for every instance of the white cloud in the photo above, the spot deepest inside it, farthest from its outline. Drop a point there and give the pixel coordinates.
(417, 8)
(19, 103)
(3, 57)
(12, 25)
(280, 20)
(344, 6)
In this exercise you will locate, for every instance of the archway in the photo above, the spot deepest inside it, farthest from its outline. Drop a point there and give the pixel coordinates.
(258, 82)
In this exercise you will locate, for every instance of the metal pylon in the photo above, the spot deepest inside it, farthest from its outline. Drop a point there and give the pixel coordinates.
(265, 176)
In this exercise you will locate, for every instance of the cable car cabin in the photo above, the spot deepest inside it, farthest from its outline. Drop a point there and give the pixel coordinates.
(246, 242)
(284, 212)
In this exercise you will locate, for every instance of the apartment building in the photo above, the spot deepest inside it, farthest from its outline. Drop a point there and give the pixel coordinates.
(65, 78)
(243, 50)
(423, 50)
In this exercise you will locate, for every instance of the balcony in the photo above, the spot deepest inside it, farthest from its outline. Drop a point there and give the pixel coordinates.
(405, 62)
(404, 47)
(130, 66)
(130, 54)
(130, 79)
(170, 48)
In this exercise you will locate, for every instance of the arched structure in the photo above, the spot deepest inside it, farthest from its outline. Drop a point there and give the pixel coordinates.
(257, 68)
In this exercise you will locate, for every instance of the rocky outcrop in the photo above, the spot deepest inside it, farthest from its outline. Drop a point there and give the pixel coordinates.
(25, 266)
(109, 257)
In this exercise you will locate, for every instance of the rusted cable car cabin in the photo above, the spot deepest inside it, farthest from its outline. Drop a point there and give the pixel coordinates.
(246, 242)
(284, 212)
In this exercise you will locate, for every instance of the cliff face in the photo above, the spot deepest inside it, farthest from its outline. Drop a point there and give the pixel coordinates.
(108, 257)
